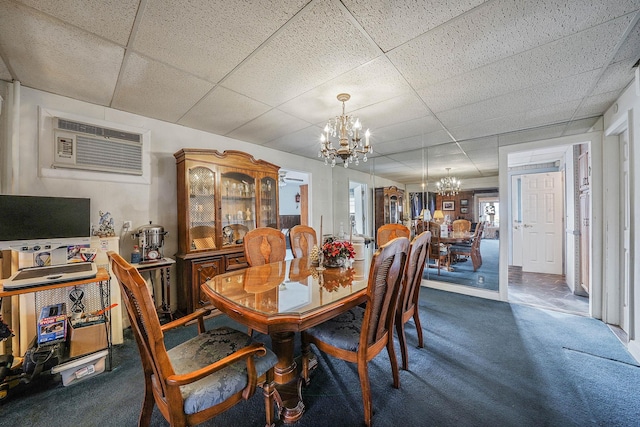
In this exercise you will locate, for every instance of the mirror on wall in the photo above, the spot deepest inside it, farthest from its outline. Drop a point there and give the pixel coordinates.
(464, 221)
(475, 163)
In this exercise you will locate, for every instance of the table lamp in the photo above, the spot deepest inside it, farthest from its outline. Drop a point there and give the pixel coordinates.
(438, 216)
(425, 215)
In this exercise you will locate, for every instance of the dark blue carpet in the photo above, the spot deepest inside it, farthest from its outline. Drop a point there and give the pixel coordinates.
(485, 363)
(486, 277)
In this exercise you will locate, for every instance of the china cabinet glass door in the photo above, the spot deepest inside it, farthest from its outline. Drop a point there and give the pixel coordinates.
(238, 204)
(393, 210)
(268, 202)
(202, 208)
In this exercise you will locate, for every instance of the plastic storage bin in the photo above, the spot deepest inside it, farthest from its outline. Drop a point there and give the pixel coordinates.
(80, 369)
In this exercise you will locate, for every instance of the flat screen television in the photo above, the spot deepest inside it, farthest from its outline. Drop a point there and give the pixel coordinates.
(37, 218)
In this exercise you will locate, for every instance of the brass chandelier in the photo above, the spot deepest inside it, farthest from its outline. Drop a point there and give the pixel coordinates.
(348, 131)
(448, 186)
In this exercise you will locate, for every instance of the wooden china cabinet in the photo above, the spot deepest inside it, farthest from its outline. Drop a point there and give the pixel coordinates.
(221, 196)
(388, 206)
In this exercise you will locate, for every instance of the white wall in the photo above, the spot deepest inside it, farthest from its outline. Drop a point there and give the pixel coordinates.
(623, 115)
(287, 203)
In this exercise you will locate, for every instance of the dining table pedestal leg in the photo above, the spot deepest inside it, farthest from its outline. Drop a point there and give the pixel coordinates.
(287, 378)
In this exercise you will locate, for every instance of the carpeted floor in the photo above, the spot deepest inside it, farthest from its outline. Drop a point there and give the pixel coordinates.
(485, 363)
(485, 277)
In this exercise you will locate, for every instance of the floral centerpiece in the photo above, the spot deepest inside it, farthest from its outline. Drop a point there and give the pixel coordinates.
(337, 252)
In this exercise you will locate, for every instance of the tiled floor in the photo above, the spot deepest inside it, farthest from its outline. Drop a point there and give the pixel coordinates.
(545, 290)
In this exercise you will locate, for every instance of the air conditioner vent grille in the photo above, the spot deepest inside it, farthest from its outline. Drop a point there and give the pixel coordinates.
(115, 156)
(97, 130)
(89, 147)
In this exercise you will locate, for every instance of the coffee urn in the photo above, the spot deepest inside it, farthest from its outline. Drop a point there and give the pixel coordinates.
(150, 241)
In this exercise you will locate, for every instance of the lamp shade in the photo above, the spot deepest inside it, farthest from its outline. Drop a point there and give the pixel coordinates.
(425, 215)
(438, 215)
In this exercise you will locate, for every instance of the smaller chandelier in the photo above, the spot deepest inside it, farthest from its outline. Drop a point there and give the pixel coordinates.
(348, 131)
(449, 186)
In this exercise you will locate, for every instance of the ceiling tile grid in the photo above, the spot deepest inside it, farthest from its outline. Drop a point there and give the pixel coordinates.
(268, 72)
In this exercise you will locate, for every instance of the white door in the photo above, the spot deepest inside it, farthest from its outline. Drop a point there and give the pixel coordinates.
(542, 221)
(625, 221)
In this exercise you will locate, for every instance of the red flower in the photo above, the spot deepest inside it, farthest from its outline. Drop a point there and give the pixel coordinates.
(337, 248)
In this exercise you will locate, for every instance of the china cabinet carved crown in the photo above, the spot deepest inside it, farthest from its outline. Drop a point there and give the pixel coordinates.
(221, 196)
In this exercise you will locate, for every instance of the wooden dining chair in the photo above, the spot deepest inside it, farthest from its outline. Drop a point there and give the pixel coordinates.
(264, 245)
(408, 301)
(389, 232)
(461, 225)
(201, 377)
(302, 239)
(473, 250)
(359, 334)
(437, 251)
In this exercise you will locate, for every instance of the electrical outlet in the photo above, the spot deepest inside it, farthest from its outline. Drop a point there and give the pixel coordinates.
(126, 225)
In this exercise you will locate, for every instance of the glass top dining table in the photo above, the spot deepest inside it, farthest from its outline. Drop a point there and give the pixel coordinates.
(290, 295)
(285, 297)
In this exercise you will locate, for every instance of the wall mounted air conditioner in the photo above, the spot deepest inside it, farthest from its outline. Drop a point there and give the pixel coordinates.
(88, 147)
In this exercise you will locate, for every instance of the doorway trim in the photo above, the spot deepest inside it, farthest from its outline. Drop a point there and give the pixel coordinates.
(595, 140)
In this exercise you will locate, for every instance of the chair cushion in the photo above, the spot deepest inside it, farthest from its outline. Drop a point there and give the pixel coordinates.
(342, 331)
(205, 349)
(460, 248)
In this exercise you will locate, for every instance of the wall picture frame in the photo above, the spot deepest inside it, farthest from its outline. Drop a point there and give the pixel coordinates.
(464, 210)
(464, 202)
(449, 206)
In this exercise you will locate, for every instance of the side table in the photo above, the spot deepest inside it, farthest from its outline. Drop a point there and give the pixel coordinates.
(164, 266)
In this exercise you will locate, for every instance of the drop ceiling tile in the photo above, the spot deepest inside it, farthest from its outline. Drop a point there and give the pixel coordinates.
(159, 91)
(270, 126)
(532, 98)
(528, 135)
(494, 31)
(487, 144)
(405, 144)
(392, 23)
(209, 38)
(421, 126)
(595, 105)
(590, 124)
(630, 49)
(318, 45)
(405, 108)
(577, 54)
(222, 110)
(616, 77)
(47, 54)
(370, 83)
(306, 140)
(498, 126)
(111, 19)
